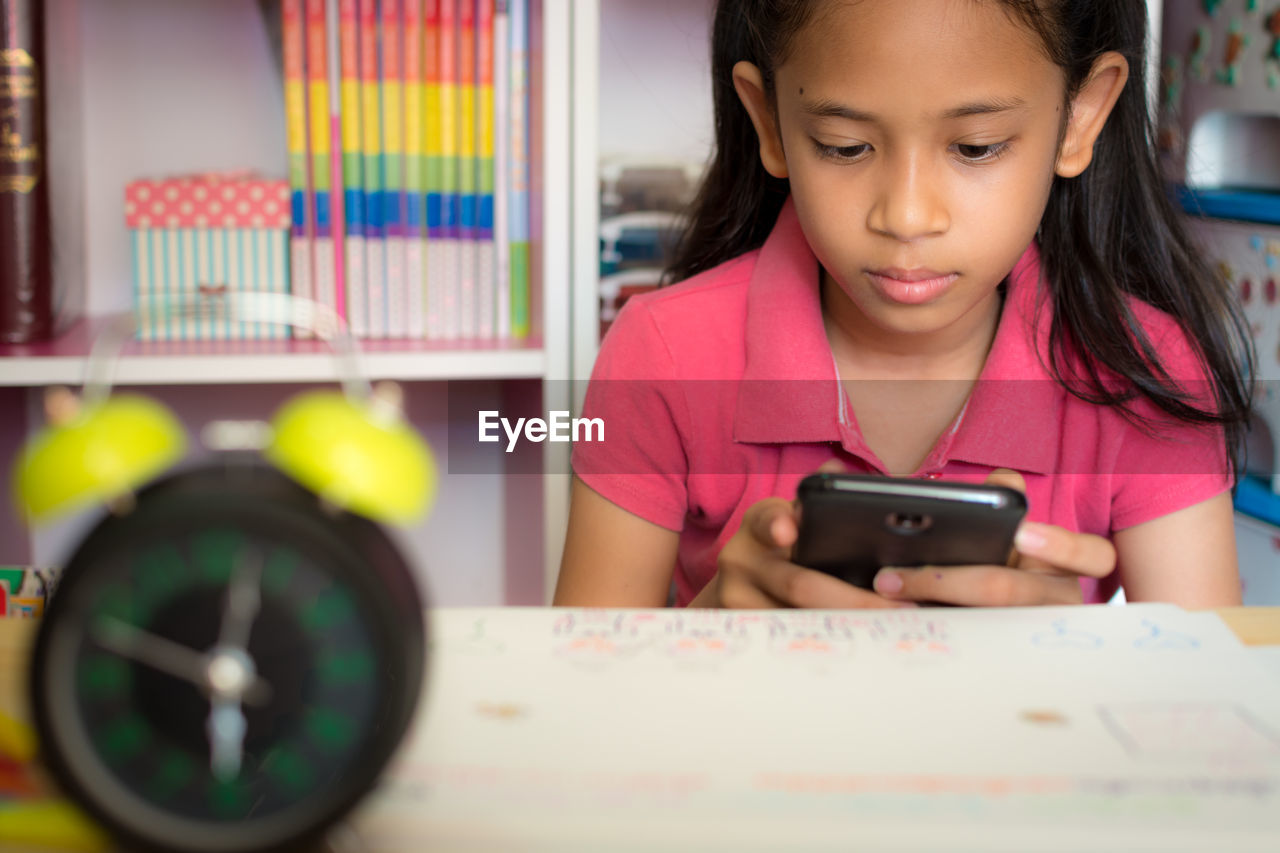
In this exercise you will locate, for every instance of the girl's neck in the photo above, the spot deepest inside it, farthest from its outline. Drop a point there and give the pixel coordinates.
(863, 350)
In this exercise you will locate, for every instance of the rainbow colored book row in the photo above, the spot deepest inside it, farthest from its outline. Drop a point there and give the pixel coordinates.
(407, 126)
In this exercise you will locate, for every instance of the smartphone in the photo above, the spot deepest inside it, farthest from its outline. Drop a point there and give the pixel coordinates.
(852, 526)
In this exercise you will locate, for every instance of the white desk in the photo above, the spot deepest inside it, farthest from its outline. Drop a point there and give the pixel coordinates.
(1087, 728)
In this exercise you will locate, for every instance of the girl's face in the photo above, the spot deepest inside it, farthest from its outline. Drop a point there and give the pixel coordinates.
(921, 140)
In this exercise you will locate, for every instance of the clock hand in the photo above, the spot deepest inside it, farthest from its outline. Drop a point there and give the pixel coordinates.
(151, 649)
(243, 601)
(226, 728)
(161, 653)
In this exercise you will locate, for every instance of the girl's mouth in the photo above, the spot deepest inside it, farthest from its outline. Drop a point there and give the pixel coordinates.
(911, 287)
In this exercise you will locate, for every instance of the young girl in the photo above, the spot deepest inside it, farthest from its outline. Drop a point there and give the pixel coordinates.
(933, 242)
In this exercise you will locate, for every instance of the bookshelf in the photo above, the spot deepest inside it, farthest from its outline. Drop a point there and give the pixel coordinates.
(494, 536)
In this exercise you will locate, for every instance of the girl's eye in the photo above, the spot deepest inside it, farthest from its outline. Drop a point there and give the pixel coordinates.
(980, 153)
(842, 152)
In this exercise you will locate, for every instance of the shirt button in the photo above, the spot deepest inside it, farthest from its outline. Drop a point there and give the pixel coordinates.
(932, 475)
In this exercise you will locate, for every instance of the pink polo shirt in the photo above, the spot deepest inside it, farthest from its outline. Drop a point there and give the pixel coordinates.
(721, 391)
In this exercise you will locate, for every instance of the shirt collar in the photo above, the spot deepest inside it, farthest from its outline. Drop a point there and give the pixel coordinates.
(791, 394)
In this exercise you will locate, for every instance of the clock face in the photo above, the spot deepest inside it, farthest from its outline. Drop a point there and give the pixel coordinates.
(221, 671)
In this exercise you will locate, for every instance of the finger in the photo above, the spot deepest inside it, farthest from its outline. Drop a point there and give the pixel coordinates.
(1010, 479)
(833, 466)
(772, 523)
(1059, 549)
(977, 586)
(801, 587)
(737, 593)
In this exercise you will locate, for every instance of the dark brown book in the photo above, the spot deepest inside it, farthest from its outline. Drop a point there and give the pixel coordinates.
(29, 302)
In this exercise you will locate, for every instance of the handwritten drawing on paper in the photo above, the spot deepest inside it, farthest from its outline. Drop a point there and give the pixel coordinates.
(1205, 730)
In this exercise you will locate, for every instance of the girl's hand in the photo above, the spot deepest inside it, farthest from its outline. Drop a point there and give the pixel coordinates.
(1045, 568)
(755, 569)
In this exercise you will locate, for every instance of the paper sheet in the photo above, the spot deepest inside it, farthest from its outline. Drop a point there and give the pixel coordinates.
(1136, 727)
(1269, 657)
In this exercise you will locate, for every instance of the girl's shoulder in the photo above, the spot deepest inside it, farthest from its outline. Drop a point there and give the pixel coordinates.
(1177, 351)
(714, 297)
(693, 329)
(722, 285)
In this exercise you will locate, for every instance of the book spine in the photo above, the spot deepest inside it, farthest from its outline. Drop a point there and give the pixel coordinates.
(486, 327)
(393, 198)
(337, 201)
(353, 169)
(415, 198)
(321, 168)
(501, 169)
(519, 176)
(433, 148)
(466, 130)
(371, 119)
(29, 305)
(295, 100)
(450, 203)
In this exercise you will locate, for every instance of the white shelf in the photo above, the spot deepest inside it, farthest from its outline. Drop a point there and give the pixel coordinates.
(63, 361)
(263, 369)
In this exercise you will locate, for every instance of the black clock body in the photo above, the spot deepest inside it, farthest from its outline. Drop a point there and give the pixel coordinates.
(227, 574)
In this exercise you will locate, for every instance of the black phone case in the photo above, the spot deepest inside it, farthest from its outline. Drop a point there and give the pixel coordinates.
(852, 526)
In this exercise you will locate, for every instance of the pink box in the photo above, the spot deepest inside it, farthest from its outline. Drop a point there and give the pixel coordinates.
(205, 235)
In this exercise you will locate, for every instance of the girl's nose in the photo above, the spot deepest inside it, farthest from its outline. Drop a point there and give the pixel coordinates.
(908, 205)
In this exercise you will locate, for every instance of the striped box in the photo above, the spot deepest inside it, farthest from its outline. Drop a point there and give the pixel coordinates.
(202, 236)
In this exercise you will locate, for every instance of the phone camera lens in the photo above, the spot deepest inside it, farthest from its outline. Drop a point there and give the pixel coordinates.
(907, 523)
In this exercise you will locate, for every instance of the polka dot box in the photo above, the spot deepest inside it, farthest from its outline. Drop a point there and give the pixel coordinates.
(199, 236)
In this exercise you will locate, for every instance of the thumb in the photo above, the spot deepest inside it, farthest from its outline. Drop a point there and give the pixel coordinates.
(1007, 477)
(1013, 480)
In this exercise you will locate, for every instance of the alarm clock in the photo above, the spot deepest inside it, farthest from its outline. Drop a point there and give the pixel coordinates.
(235, 649)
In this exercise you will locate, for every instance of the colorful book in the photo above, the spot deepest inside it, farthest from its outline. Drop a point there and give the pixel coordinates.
(466, 130)
(322, 257)
(433, 178)
(371, 152)
(450, 201)
(34, 304)
(295, 102)
(486, 261)
(336, 200)
(353, 169)
(415, 280)
(393, 195)
(501, 169)
(519, 176)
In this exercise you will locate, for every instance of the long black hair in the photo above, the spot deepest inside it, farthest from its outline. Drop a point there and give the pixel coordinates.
(1111, 232)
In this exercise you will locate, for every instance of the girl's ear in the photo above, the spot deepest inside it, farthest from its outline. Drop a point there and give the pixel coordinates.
(1089, 111)
(749, 83)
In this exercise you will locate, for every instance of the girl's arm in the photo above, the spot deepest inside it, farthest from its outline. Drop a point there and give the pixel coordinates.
(613, 558)
(1187, 557)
